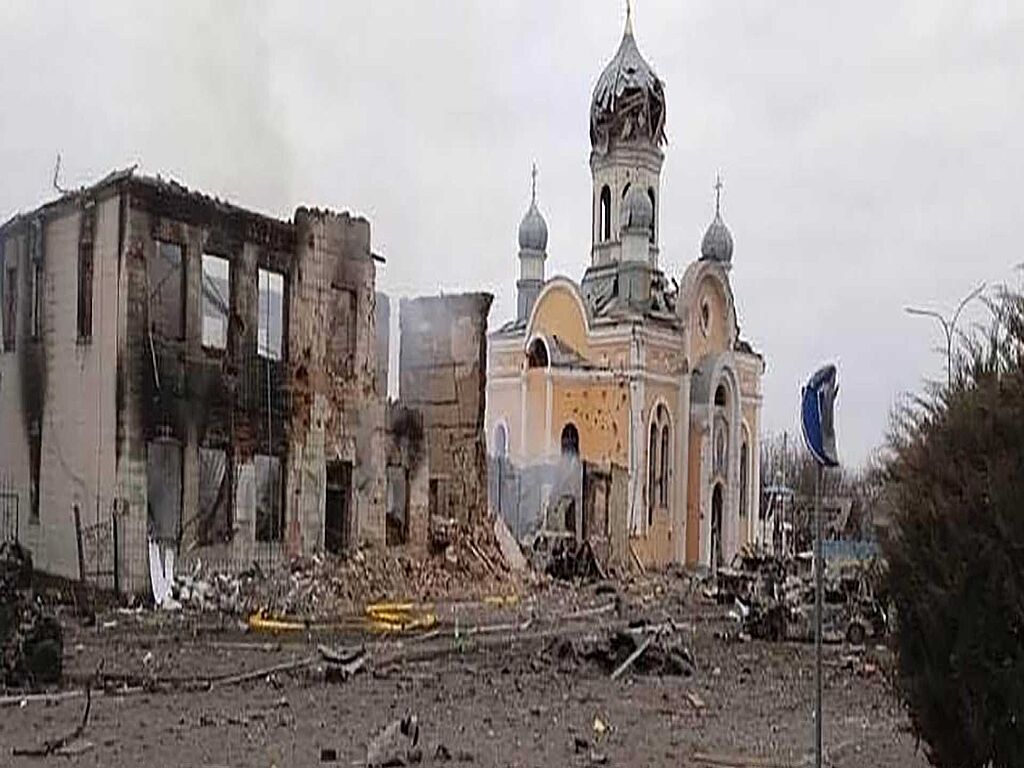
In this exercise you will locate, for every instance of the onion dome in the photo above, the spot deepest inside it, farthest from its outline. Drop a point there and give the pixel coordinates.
(629, 99)
(533, 230)
(637, 210)
(717, 242)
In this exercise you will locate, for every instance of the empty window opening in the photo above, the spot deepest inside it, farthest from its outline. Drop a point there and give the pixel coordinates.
(397, 530)
(338, 510)
(720, 396)
(606, 214)
(35, 252)
(35, 446)
(342, 332)
(85, 271)
(216, 301)
(166, 280)
(537, 354)
(654, 213)
(269, 498)
(163, 489)
(214, 523)
(570, 441)
(37, 299)
(271, 314)
(10, 307)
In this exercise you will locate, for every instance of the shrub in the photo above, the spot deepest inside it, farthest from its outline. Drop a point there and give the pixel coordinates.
(954, 472)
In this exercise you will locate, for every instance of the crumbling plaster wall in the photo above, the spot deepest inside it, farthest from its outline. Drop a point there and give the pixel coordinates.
(407, 453)
(443, 371)
(337, 408)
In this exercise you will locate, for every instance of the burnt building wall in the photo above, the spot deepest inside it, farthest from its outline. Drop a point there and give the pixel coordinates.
(239, 439)
(443, 370)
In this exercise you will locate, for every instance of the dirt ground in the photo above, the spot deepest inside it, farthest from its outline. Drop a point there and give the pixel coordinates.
(501, 697)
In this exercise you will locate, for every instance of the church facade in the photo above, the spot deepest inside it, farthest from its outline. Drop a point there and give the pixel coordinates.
(630, 366)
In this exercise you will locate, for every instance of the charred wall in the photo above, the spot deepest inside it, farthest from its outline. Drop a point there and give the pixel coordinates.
(443, 371)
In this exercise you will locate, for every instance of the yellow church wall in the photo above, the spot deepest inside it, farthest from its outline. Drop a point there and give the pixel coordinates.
(693, 500)
(503, 406)
(718, 336)
(558, 313)
(600, 411)
(536, 415)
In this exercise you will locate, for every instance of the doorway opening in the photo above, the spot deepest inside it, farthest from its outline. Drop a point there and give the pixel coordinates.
(716, 528)
(338, 510)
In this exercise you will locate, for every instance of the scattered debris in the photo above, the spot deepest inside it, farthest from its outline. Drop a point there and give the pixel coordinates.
(509, 547)
(695, 700)
(646, 649)
(31, 639)
(397, 744)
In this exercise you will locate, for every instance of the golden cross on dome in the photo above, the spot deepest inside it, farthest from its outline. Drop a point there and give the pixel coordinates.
(718, 191)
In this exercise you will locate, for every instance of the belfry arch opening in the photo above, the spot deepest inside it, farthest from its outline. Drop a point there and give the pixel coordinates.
(721, 396)
(605, 211)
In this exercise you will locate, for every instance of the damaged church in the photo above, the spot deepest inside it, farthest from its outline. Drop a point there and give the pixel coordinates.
(628, 373)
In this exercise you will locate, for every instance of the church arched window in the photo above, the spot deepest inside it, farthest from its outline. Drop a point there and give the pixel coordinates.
(537, 354)
(500, 441)
(570, 440)
(606, 213)
(652, 472)
(720, 395)
(663, 480)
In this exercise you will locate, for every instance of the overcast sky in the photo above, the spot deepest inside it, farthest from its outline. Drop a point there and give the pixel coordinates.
(871, 151)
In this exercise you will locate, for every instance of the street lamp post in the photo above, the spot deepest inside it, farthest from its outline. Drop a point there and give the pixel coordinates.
(948, 325)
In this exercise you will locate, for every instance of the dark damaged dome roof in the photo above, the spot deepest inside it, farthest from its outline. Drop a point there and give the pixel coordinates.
(629, 99)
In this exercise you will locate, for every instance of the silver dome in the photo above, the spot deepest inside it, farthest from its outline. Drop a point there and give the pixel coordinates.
(533, 230)
(637, 210)
(717, 242)
(629, 99)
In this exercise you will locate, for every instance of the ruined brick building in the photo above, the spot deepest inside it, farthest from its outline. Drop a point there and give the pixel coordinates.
(628, 368)
(177, 368)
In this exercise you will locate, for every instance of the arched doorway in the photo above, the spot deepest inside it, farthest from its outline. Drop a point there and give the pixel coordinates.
(715, 557)
(570, 440)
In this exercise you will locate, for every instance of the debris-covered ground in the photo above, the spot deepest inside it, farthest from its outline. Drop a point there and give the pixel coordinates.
(645, 673)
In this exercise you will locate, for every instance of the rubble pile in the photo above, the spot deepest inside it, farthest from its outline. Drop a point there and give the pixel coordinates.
(463, 562)
(774, 598)
(644, 649)
(31, 641)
